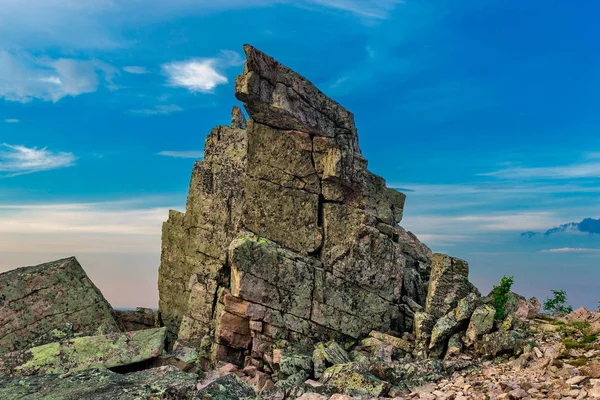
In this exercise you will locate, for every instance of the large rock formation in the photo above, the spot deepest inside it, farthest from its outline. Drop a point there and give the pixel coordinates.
(286, 234)
(49, 302)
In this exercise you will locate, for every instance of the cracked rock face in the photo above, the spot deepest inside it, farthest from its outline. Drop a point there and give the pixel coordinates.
(49, 302)
(286, 234)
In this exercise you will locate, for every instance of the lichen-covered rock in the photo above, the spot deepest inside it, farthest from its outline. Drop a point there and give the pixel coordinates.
(454, 320)
(50, 302)
(448, 283)
(286, 234)
(423, 325)
(499, 343)
(482, 322)
(355, 380)
(136, 320)
(102, 384)
(228, 387)
(105, 351)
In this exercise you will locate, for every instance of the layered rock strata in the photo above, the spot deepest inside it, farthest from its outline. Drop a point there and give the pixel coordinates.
(286, 234)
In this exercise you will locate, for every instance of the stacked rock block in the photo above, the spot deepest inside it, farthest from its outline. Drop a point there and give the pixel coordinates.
(286, 234)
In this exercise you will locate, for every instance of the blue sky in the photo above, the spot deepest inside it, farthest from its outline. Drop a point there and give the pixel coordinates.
(486, 112)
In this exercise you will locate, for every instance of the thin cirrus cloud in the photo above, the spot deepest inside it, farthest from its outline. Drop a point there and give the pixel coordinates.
(132, 69)
(182, 154)
(24, 77)
(158, 110)
(580, 170)
(11, 121)
(202, 74)
(571, 250)
(19, 160)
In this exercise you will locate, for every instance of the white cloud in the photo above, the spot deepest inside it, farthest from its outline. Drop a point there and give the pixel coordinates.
(158, 110)
(19, 160)
(24, 77)
(201, 75)
(581, 170)
(571, 250)
(12, 121)
(135, 70)
(182, 154)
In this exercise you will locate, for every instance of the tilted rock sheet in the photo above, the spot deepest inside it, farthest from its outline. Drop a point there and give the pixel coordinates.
(103, 351)
(286, 234)
(49, 302)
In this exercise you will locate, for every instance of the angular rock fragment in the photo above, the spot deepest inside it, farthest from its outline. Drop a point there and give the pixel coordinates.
(449, 282)
(106, 351)
(136, 320)
(163, 383)
(50, 302)
(482, 322)
(352, 379)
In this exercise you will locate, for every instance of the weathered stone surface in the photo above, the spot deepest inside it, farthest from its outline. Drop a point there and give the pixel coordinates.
(136, 320)
(354, 380)
(500, 342)
(277, 96)
(447, 285)
(482, 322)
(423, 325)
(101, 384)
(228, 387)
(50, 302)
(286, 234)
(195, 244)
(106, 351)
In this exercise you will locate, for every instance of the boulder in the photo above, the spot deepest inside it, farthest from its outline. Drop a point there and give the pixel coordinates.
(482, 322)
(48, 303)
(136, 320)
(354, 380)
(500, 343)
(102, 384)
(448, 283)
(105, 351)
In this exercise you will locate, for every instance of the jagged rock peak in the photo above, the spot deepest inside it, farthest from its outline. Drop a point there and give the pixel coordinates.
(286, 234)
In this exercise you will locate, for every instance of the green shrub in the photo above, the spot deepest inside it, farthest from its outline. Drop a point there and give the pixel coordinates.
(558, 303)
(500, 296)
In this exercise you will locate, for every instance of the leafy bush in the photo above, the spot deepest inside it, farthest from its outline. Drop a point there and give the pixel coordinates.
(500, 296)
(558, 303)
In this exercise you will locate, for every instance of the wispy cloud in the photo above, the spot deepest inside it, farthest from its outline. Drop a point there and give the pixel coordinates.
(158, 110)
(18, 160)
(81, 227)
(182, 154)
(24, 77)
(12, 121)
(201, 75)
(580, 170)
(571, 250)
(376, 9)
(132, 69)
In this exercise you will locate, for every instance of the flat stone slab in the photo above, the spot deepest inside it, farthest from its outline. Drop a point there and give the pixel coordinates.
(105, 351)
(48, 303)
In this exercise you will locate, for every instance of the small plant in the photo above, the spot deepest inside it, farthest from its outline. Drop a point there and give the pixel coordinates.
(500, 296)
(558, 303)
